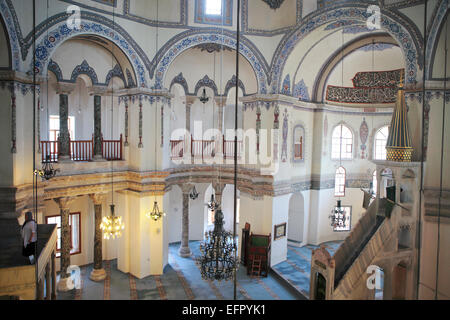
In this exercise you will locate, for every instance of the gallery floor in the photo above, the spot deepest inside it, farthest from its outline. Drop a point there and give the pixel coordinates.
(182, 281)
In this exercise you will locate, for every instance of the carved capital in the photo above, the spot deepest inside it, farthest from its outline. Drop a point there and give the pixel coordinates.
(186, 187)
(98, 90)
(190, 100)
(64, 202)
(64, 87)
(98, 198)
(218, 187)
(220, 101)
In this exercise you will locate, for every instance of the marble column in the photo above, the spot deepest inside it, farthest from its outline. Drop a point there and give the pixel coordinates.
(98, 128)
(48, 287)
(98, 273)
(53, 275)
(184, 250)
(65, 282)
(64, 138)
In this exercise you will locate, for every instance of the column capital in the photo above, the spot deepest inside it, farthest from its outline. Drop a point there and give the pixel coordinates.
(98, 91)
(190, 100)
(64, 87)
(218, 187)
(98, 198)
(64, 202)
(221, 101)
(186, 187)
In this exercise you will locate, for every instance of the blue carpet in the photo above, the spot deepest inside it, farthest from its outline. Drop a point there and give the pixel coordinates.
(181, 281)
(297, 268)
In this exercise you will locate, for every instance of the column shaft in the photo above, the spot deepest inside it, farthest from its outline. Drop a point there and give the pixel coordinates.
(98, 273)
(98, 127)
(64, 144)
(65, 242)
(185, 251)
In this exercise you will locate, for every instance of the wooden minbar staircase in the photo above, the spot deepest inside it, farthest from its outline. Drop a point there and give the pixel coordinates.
(386, 242)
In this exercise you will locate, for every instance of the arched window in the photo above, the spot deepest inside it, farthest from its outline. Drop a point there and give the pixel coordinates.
(339, 182)
(380, 143)
(374, 182)
(213, 7)
(342, 143)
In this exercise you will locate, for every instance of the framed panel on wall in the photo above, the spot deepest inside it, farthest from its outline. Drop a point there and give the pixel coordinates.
(348, 220)
(279, 231)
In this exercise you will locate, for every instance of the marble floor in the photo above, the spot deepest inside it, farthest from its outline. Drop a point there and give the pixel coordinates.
(296, 269)
(181, 281)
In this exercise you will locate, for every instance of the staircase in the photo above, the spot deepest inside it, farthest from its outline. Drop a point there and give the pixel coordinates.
(359, 249)
(256, 266)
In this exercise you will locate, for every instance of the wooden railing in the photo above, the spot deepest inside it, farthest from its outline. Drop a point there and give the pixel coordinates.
(112, 149)
(49, 151)
(177, 149)
(83, 150)
(204, 149)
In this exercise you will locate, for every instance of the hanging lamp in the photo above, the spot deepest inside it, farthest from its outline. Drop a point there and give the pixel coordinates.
(112, 225)
(204, 99)
(47, 172)
(337, 216)
(156, 214)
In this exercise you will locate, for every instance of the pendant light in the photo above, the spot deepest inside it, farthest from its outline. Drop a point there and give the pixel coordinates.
(204, 99)
(156, 214)
(337, 216)
(47, 172)
(112, 225)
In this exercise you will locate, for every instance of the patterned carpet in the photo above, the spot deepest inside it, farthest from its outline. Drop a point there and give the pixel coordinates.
(296, 269)
(181, 281)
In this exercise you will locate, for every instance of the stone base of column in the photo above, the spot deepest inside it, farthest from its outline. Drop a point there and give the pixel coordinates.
(64, 159)
(99, 158)
(98, 275)
(65, 284)
(184, 252)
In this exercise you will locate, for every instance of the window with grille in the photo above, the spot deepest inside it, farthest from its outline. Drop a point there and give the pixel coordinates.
(342, 143)
(380, 143)
(75, 232)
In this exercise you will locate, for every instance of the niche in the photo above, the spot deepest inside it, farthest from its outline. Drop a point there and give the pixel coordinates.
(404, 237)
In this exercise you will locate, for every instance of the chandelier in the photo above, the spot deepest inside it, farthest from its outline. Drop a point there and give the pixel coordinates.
(337, 216)
(218, 252)
(112, 225)
(213, 205)
(155, 214)
(204, 99)
(47, 172)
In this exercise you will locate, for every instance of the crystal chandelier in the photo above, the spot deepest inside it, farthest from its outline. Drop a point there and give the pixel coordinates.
(218, 252)
(112, 225)
(155, 214)
(47, 172)
(337, 216)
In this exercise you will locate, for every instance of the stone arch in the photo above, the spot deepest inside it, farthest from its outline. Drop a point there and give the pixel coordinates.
(327, 68)
(406, 36)
(433, 37)
(296, 218)
(115, 72)
(206, 82)
(181, 81)
(54, 67)
(191, 38)
(7, 19)
(92, 24)
(84, 69)
(232, 84)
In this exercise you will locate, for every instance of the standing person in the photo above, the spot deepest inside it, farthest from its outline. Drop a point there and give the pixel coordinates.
(29, 235)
